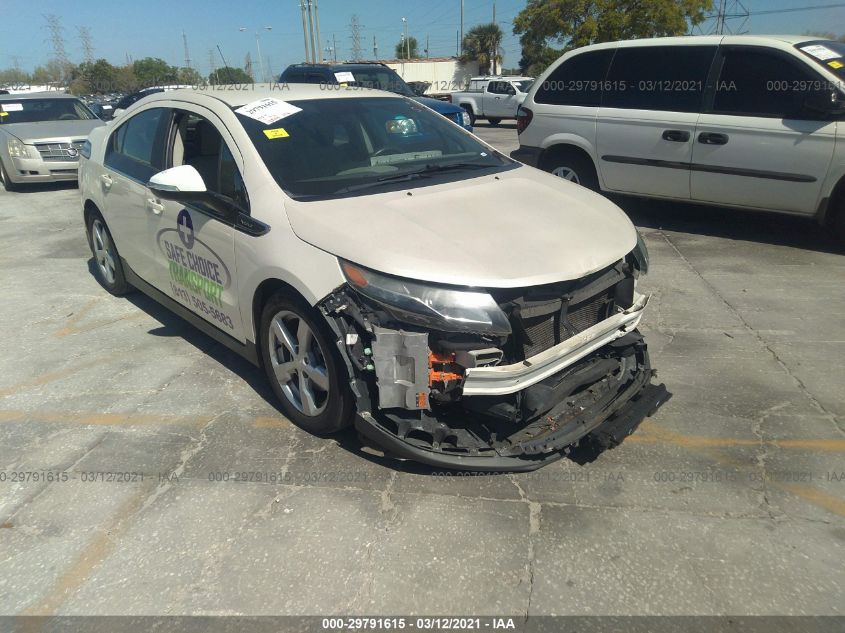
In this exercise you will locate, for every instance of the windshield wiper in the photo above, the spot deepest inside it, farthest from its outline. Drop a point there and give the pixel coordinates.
(432, 168)
(384, 180)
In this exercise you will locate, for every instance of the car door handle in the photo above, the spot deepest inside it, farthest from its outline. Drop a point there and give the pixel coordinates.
(676, 136)
(155, 206)
(107, 181)
(710, 138)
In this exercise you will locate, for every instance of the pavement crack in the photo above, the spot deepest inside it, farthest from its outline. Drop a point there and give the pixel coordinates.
(765, 344)
(535, 515)
(387, 506)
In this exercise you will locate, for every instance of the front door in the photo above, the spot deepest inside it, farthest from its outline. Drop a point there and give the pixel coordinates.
(756, 145)
(194, 244)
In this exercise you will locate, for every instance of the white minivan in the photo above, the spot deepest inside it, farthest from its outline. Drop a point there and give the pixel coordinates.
(382, 264)
(755, 122)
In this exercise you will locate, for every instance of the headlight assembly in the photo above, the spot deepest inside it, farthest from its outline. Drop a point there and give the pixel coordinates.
(640, 255)
(17, 149)
(439, 308)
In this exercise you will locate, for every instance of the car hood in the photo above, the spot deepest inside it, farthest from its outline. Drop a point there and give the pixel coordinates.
(51, 130)
(442, 107)
(521, 227)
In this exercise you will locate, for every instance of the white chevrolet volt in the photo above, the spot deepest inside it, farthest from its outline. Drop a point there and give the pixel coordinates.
(384, 266)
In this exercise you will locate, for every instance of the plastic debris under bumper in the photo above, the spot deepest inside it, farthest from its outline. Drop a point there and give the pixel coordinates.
(505, 379)
(620, 424)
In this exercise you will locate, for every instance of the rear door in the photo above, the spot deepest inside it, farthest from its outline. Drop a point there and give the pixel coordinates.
(756, 144)
(647, 119)
(134, 153)
(194, 245)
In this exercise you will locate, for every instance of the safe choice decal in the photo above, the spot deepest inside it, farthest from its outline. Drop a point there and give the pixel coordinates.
(198, 276)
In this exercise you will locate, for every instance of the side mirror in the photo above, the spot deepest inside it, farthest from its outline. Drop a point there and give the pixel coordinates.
(825, 102)
(185, 185)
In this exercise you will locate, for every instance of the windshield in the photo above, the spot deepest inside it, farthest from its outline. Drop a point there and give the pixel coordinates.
(524, 85)
(38, 110)
(826, 53)
(334, 147)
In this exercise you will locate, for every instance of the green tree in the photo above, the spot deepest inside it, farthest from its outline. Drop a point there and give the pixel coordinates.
(229, 75)
(407, 50)
(96, 77)
(189, 77)
(483, 44)
(574, 23)
(152, 71)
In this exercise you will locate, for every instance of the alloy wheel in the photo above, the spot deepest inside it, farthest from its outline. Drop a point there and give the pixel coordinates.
(103, 251)
(299, 363)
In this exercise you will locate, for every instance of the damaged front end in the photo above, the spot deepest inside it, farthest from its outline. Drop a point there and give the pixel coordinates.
(496, 380)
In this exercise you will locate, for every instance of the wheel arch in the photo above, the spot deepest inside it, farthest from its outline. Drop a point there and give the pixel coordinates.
(835, 206)
(566, 148)
(262, 293)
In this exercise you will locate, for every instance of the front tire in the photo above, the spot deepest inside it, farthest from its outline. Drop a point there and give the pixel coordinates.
(108, 267)
(8, 185)
(471, 114)
(304, 367)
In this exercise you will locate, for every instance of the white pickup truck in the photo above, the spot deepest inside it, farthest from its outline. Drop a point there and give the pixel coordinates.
(493, 98)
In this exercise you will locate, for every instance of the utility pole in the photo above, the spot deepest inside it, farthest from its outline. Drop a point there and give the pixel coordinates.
(375, 48)
(311, 34)
(304, 31)
(426, 45)
(461, 40)
(187, 54)
(87, 47)
(494, 11)
(334, 47)
(406, 38)
(355, 27)
(248, 66)
(317, 24)
(212, 68)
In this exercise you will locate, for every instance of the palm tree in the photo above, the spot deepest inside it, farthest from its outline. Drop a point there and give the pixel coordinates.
(482, 44)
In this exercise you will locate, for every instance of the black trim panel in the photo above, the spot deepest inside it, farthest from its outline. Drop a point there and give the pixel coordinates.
(711, 169)
(247, 350)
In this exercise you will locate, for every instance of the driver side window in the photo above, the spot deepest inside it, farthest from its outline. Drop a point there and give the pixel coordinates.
(197, 142)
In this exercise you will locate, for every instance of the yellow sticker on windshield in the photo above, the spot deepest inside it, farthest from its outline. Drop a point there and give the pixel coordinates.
(4, 114)
(836, 65)
(278, 132)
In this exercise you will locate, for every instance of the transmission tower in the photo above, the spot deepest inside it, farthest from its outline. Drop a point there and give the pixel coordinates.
(731, 18)
(85, 40)
(187, 54)
(54, 25)
(248, 66)
(355, 28)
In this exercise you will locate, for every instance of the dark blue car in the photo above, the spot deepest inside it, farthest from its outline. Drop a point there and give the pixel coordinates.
(369, 75)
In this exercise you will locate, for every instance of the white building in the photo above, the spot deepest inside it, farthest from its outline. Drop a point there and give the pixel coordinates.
(445, 74)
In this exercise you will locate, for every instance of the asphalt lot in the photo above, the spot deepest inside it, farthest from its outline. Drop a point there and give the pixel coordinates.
(730, 500)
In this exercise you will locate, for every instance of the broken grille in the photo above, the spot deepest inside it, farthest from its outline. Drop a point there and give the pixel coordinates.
(551, 329)
(60, 151)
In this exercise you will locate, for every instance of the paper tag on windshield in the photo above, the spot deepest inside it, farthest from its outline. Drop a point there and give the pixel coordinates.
(268, 110)
(344, 77)
(821, 52)
(11, 107)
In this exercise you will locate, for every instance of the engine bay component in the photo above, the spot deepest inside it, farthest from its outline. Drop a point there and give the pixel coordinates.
(401, 362)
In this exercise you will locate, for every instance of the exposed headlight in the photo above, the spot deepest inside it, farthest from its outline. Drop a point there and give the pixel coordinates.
(436, 307)
(640, 255)
(465, 118)
(17, 149)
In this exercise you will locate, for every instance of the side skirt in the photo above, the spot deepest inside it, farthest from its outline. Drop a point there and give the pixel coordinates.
(247, 350)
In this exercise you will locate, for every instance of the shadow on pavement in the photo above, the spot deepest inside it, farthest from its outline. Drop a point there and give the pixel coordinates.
(735, 224)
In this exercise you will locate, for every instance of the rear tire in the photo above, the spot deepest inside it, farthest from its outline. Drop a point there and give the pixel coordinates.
(837, 223)
(108, 267)
(572, 166)
(304, 366)
(8, 185)
(494, 121)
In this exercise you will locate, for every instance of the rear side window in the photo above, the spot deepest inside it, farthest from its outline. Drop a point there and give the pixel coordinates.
(577, 81)
(755, 82)
(135, 148)
(668, 78)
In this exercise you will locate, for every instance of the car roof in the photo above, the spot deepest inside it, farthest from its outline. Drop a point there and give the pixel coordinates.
(707, 39)
(337, 65)
(22, 96)
(241, 94)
